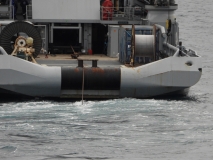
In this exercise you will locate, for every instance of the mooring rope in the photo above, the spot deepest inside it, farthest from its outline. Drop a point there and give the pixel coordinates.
(82, 98)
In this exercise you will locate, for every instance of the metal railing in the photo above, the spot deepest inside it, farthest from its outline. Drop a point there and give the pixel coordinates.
(109, 13)
(127, 13)
(6, 12)
(29, 13)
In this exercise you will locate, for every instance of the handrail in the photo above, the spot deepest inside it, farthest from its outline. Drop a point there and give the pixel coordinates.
(28, 10)
(108, 13)
(7, 12)
(172, 48)
(177, 50)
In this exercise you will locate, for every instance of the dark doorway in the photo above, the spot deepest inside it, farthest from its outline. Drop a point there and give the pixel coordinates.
(63, 39)
(99, 34)
(66, 37)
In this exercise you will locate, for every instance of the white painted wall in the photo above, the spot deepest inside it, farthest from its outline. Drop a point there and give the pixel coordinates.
(66, 9)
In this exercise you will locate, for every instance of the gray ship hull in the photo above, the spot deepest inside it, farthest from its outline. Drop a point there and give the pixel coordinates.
(166, 76)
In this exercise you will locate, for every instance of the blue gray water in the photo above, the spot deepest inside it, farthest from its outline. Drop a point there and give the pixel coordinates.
(122, 128)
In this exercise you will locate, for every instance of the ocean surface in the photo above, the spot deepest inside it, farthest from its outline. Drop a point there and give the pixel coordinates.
(161, 129)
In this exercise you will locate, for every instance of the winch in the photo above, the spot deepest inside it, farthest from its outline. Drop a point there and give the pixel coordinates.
(23, 48)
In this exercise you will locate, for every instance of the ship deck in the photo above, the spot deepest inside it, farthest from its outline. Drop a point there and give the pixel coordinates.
(67, 60)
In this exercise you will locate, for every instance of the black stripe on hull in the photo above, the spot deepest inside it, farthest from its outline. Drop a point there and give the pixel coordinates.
(6, 94)
(94, 78)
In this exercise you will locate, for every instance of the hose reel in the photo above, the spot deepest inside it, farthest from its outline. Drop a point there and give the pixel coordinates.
(142, 46)
(15, 28)
(23, 48)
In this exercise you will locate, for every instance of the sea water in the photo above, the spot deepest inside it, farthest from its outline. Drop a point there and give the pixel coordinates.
(178, 128)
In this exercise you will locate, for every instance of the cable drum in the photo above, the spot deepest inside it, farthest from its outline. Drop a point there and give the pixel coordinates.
(16, 27)
(144, 45)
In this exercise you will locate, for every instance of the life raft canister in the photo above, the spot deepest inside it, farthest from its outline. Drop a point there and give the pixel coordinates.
(107, 10)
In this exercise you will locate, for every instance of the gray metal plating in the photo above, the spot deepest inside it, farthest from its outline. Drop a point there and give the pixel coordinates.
(160, 77)
(26, 78)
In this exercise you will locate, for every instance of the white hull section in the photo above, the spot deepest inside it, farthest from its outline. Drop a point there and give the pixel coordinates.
(26, 78)
(154, 79)
(160, 77)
